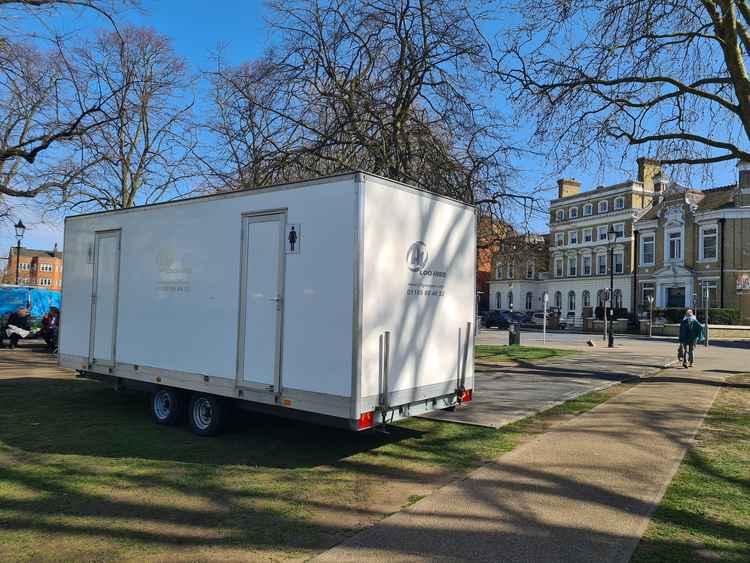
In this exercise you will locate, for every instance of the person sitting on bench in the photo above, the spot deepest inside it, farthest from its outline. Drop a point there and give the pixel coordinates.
(19, 326)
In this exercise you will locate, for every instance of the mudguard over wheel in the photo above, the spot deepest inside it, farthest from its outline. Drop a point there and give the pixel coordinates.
(206, 414)
(168, 406)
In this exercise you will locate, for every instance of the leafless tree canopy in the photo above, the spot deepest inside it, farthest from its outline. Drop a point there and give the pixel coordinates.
(43, 105)
(401, 88)
(666, 76)
(143, 152)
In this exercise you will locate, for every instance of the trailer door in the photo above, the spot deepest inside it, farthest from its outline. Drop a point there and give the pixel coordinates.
(261, 301)
(104, 298)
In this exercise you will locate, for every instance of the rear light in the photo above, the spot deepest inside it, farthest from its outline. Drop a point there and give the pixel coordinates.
(466, 396)
(366, 420)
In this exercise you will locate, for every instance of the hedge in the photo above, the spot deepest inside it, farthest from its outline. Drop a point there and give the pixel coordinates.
(715, 316)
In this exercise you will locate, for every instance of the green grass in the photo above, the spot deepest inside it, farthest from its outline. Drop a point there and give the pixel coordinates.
(705, 513)
(514, 353)
(85, 474)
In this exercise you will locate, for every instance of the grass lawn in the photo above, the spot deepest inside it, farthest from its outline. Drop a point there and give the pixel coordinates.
(705, 513)
(86, 475)
(506, 354)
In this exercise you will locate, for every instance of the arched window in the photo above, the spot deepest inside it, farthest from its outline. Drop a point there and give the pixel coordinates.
(498, 300)
(571, 301)
(529, 301)
(586, 298)
(600, 298)
(618, 299)
(510, 300)
(558, 299)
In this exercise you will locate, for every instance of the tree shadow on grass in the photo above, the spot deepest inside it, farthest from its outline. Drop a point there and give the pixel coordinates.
(82, 417)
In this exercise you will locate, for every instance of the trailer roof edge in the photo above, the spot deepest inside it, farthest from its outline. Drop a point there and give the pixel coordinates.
(273, 187)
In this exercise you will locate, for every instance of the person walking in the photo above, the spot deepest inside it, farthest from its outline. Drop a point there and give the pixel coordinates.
(690, 333)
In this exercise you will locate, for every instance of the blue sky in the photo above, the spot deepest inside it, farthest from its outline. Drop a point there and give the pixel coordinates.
(198, 28)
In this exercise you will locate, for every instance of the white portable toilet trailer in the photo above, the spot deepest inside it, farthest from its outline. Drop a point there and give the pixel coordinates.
(347, 299)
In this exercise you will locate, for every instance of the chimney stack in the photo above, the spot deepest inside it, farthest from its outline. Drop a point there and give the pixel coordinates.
(647, 169)
(743, 183)
(54, 251)
(567, 188)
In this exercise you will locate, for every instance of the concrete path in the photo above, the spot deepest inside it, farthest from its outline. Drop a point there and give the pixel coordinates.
(505, 394)
(582, 492)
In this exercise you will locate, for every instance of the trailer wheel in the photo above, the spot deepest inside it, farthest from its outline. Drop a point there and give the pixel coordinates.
(167, 406)
(206, 414)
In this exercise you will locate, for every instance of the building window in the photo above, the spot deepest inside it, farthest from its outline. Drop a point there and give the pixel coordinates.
(709, 240)
(559, 239)
(586, 298)
(601, 264)
(558, 299)
(573, 237)
(529, 301)
(586, 265)
(619, 203)
(510, 300)
(573, 212)
(560, 214)
(618, 299)
(620, 230)
(619, 260)
(499, 271)
(603, 206)
(498, 300)
(588, 235)
(558, 267)
(588, 209)
(510, 271)
(600, 296)
(571, 301)
(45, 267)
(45, 282)
(572, 265)
(647, 250)
(601, 232)
(674, 240)
(529, 269)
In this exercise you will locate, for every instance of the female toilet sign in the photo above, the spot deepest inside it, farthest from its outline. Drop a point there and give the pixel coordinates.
(293, 235)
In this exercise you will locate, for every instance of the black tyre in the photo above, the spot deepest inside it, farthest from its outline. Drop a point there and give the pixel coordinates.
(206, 414)
(168, 406)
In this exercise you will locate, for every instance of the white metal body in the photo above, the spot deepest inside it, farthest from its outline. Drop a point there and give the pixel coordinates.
(206, 294)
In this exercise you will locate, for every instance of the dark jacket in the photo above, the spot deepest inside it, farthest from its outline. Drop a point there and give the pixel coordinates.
(690, 331)
(21, 322)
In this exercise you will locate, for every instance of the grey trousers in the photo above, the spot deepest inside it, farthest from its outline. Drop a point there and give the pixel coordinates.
(688, 351)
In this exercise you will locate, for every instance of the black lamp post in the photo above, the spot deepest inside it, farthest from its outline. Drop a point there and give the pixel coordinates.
(20, 229)
(612, 238)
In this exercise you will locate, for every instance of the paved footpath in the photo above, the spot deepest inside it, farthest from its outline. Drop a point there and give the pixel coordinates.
(583, 491)
(506, 393)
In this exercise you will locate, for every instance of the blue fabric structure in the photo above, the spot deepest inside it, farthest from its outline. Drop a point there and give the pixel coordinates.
(37, 300)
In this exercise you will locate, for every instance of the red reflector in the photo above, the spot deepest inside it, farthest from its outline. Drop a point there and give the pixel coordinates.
(466, 397)
(366, 420)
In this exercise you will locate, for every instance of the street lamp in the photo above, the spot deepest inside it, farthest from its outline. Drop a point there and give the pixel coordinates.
(612, 239)
(20, 229)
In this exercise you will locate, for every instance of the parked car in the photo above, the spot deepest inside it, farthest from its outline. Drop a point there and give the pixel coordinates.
(496, 319)
(553, 319)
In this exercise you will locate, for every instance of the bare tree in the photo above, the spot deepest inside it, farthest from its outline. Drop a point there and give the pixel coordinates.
(668, 77)
(396, 87)
(43, 106)
(144, 152)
